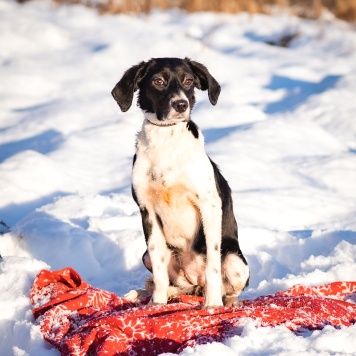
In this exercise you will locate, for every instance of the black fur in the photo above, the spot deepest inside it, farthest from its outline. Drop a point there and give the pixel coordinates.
(229, 242)
(146, 223)
(193, 128)
(124, 90)
(173, 71)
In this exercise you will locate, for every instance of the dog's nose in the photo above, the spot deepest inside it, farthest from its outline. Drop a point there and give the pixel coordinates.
(180, 105)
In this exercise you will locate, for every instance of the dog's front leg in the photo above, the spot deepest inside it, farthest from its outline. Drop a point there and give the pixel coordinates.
(211, 216)
(159, 256)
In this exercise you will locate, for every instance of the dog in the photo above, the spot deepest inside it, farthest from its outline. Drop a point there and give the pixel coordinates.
(184, 201)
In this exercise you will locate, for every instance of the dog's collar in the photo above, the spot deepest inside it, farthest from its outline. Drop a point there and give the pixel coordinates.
(165, 125)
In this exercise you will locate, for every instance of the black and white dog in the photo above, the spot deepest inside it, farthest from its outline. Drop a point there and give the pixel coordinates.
(185, 202)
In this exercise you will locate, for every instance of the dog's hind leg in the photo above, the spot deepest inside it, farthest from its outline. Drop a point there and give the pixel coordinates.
(235, 274)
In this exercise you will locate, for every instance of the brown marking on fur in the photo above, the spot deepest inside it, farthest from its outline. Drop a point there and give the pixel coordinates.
(167, 194)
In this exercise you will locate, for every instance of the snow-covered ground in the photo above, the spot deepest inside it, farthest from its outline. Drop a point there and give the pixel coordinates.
(283, 134)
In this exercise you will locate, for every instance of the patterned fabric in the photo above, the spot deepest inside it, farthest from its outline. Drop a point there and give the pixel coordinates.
(79, 319)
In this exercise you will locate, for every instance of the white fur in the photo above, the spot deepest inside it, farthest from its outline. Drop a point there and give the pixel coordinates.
(173, 177)
(236, 272)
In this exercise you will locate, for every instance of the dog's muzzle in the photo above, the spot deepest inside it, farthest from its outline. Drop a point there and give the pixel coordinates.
(180, 105)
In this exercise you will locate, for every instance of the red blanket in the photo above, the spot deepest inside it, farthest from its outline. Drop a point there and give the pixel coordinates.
(79, 319)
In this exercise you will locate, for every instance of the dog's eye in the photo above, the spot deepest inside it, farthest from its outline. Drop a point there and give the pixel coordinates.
(158, 82)
(188, 81)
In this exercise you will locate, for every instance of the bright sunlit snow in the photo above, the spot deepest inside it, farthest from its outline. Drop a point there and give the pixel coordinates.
(283, 133)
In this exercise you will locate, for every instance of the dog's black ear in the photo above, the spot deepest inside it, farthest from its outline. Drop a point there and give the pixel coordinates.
(204, 80)
(124, 90)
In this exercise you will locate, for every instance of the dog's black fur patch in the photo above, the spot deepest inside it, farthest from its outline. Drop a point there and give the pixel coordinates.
(193, 128)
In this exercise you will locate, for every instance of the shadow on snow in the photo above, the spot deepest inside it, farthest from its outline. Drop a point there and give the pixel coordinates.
(215, 134)
(13, 213)
(44, 143)
(297, 91)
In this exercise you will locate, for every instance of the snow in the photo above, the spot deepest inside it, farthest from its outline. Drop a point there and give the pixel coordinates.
(283, 133)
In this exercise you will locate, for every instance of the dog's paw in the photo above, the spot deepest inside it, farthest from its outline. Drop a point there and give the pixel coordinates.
(158, 301)
(207, 307)
(156, 304)
(132, 295)
(152, 302)
(232, 301)
(208, 304)
(137, 295)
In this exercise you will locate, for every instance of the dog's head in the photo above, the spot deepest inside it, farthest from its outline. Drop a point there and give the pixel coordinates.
(166, 88)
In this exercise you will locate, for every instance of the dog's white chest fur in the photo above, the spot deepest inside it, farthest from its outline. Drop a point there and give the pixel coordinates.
(171, 174)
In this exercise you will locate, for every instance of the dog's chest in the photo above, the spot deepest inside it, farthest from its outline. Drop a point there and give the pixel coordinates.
(170, 158)
(170, 173)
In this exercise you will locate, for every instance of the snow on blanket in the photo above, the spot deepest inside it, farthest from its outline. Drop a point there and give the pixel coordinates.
(79, 319)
